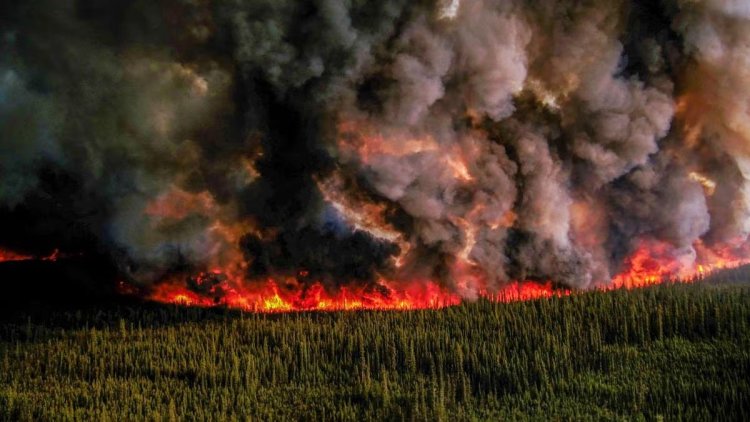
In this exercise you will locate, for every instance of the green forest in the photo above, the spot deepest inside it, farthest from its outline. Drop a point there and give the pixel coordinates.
(671, 352)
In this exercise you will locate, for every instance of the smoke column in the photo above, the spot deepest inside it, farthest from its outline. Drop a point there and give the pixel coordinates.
(378, 147)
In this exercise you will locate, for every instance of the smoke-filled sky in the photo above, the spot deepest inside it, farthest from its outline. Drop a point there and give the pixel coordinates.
(472, 142)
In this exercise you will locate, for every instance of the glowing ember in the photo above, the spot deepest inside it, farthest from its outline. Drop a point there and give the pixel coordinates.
(11, 256)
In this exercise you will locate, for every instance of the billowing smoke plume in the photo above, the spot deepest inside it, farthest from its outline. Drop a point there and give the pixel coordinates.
(471, 143)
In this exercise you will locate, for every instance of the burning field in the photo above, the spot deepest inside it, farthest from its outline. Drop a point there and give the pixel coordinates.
(274, 155)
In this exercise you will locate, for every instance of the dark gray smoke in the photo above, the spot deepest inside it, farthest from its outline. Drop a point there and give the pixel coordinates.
(348, 141)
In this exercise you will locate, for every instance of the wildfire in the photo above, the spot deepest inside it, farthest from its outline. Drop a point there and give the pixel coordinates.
(11, 256)
(654, 263)
(223, 233)
(650, 264)
(272, 296)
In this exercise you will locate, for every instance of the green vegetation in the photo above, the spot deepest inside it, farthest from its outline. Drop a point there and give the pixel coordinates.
(672, 351)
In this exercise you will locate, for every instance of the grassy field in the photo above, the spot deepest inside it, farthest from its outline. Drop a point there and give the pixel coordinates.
(678, 351)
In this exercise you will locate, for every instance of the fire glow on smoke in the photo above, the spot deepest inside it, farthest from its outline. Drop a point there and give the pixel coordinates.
(285, 155)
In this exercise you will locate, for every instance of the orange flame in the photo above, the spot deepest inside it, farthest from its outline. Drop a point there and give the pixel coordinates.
(271, 296)
(652, 263)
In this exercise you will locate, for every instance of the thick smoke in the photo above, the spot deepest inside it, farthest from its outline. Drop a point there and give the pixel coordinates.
(468, 142)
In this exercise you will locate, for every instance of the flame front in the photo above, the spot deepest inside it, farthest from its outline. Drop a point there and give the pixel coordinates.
(273, 296)
(649, 265)
(270, 297)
